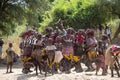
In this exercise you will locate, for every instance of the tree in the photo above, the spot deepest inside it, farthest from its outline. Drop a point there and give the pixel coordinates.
(9, 10)
(113, 9)
(116, 12)
(79, 13)
(16, 12)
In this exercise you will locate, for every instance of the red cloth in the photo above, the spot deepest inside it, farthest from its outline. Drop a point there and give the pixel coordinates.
(80, 38)
(102, 61)
(115, 50)
(113, 47)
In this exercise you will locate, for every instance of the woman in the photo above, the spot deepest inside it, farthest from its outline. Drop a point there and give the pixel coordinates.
(58, 53)
(90, 48)
(68, 43)
(101, 58)
(111, 59)
(67, 49)
(78, 48)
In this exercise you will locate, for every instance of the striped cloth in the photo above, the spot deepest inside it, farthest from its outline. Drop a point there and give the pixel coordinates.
(27, 50)
(31, 40)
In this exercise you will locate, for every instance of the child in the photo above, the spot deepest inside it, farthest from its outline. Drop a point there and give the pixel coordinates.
(108, 32)
(101, 57)
(58, 53)
(50, 48)
(10, 54)
(105, 41)
(105, 45)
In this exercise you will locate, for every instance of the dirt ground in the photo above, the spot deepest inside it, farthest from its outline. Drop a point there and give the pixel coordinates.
(18, 75)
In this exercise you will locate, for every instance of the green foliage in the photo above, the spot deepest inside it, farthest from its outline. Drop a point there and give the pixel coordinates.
(81, 13)
(34, 11)
(42, 13)
(17, 12)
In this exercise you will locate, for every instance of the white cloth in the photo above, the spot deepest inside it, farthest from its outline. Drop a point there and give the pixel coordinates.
(58, 56)
(91, 41)
(108, 31)
(51, 47)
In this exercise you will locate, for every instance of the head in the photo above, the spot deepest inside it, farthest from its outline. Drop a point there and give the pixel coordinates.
(90, 33)
(58, 39)
(80, 32)
(10, 45)
(70, 31)
(57, 31)
(49, 30)
(50, 41)
(39, 36)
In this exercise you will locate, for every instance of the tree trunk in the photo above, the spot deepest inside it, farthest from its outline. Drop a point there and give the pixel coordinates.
(117, 31)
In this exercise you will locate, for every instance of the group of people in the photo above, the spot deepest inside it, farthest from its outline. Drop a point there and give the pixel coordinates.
(60, 43)
(63, 42)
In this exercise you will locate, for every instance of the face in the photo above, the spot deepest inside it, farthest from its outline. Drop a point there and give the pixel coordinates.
(58, 39)
(80, 32)
(50, 41)
(68, 31)
(10, 45)
(89, 36)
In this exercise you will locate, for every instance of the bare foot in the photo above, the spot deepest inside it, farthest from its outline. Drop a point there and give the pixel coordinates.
(11, 72)
(7, 72)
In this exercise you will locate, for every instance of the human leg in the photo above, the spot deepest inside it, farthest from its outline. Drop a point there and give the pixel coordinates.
(11, 64)
(7, 67)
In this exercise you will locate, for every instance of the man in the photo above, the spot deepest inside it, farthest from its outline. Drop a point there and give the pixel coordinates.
(1, 44)
(108, 32)
(100, 27)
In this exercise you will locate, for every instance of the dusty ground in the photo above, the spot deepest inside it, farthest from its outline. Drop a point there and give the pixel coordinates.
(18, 75)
